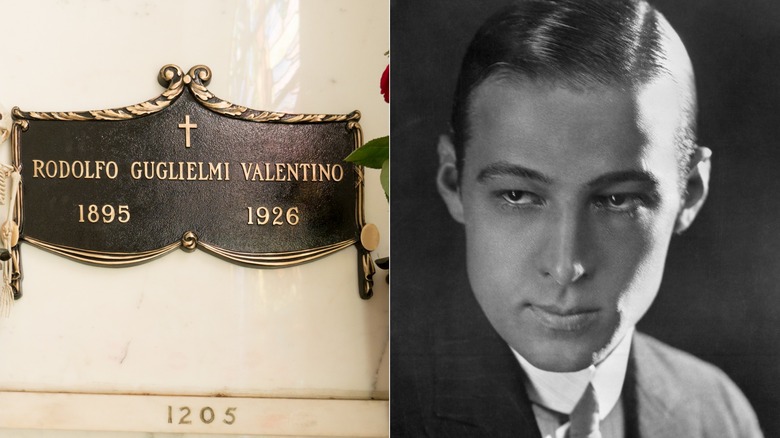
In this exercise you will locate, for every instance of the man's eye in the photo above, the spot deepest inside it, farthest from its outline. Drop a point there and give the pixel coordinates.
(620, 202)
(520, 197)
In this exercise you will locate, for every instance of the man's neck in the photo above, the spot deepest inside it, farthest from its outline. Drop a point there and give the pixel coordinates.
(561, 391)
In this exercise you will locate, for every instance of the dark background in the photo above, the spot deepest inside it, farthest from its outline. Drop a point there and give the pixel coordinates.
(720, 298)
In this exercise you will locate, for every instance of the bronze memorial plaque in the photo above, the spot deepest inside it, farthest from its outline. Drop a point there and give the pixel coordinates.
(187, 169)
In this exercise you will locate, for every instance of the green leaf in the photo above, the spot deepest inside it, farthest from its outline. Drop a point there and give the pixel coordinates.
(384, 178)
(372, 154)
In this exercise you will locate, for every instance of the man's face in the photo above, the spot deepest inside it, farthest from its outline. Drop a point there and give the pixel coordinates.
(569, 199)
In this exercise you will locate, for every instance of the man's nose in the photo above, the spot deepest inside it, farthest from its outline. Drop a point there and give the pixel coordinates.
(564, 248)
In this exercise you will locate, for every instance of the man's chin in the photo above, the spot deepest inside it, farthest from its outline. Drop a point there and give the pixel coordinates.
(567, 365)
(563, 357)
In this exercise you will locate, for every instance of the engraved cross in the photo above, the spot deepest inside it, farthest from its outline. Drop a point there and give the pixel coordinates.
(187, 126)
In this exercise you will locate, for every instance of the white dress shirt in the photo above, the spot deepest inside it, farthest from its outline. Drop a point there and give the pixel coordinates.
(553, 394)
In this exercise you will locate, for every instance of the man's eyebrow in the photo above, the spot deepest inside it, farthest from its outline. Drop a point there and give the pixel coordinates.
(624, 176)
(503, 168)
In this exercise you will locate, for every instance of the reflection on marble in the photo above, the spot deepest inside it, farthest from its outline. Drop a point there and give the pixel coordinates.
(266, 47)
(18, 433)
(191, 323)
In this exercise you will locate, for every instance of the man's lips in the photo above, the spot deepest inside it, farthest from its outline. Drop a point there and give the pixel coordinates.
(562, 319)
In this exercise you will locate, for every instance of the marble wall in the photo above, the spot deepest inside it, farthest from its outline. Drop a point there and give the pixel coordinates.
(189, 324)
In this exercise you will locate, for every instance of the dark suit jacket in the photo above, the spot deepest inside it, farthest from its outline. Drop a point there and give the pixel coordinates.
(453, 376)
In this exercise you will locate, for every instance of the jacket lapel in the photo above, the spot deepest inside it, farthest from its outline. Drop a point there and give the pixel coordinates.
(651, 399)
(479, 388)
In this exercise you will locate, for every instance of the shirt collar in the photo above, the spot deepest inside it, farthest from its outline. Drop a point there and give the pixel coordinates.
(561, 391)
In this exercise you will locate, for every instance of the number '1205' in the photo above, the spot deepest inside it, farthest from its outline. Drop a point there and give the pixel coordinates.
(207, 415)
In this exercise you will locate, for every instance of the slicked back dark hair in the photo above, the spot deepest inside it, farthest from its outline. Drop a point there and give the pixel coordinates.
(578, 44)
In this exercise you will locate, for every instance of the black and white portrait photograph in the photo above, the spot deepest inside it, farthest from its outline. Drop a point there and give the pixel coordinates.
(584, 218)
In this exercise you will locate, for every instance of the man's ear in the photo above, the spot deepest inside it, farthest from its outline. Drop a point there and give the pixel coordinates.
(698, 185)
(447, 178)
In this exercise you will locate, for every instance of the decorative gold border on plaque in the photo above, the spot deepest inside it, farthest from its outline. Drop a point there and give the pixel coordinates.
(278, 259)
(174, 79)
(170, 75)
(102, 257)
(365, 264)
(266, 260)
(201, 76)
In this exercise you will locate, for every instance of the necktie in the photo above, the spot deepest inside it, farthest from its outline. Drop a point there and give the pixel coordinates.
(584, 419)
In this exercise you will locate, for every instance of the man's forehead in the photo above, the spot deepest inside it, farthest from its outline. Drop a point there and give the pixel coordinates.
(519, 109)
(564, 131)
(652, 106)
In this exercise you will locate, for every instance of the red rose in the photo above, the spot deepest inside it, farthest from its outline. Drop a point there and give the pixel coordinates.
(384, 84)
